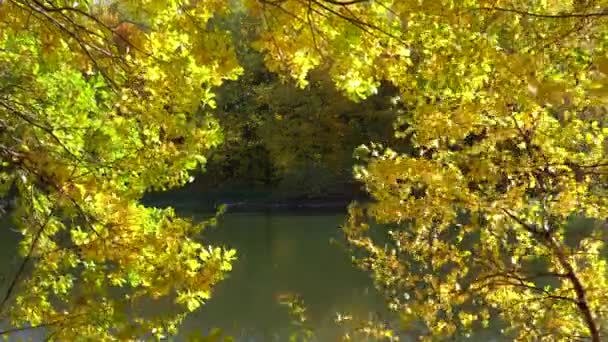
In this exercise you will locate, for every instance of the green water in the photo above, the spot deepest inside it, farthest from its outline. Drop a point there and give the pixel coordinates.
(279, 254)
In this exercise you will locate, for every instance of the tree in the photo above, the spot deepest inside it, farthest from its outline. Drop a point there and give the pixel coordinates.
(319, 127)
(503, 102)
(505, 106)
(312, 157)
(99, 103)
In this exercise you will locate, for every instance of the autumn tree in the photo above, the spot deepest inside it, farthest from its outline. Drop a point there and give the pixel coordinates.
(319, 126)
(101, 101)
(312, 155)
(504, 103)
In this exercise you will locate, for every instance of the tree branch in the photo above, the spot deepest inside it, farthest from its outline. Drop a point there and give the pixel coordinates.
(345, 3)
(603, 13)
(579, 289)
(27, 258)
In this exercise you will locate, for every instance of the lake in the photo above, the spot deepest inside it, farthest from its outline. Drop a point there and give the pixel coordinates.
(279, 254)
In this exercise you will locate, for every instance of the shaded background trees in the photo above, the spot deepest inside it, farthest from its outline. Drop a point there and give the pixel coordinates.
(286, 142)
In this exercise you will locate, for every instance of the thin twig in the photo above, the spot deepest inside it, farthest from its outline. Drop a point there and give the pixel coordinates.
(27, 258)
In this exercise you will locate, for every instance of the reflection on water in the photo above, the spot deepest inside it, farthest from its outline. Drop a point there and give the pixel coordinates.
(280, 255)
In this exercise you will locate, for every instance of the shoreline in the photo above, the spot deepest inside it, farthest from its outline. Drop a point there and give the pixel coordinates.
(240, 206)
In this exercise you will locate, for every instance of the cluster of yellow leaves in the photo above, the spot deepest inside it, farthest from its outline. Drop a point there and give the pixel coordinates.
(101, 102)
(504, 105)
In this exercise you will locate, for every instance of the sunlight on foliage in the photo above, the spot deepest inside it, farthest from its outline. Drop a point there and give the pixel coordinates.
(504, 106)
(90, 121)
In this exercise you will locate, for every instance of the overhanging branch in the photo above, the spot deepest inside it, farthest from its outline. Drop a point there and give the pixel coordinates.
(603, 13)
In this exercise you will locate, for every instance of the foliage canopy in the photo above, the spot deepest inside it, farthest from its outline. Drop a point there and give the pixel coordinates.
(89, 122)
(503, 102)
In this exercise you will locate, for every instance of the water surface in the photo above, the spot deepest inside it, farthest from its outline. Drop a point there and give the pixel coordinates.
(279, 254)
